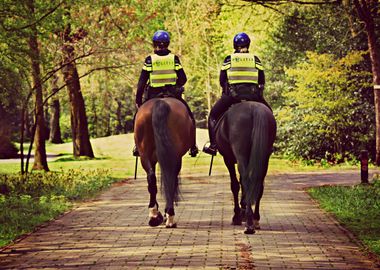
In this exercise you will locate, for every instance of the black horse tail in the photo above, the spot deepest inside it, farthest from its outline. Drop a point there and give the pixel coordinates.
(262, 137)
(168, 159)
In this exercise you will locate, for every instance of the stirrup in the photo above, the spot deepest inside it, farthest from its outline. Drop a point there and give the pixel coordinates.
(211, 149)
(193, 152)
(135, 152)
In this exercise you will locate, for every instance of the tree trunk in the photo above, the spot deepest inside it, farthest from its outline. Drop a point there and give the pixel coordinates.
(40, 159)
(55, 130)
(367, 12)
(375, 63)
(119, 126)
(79, 126)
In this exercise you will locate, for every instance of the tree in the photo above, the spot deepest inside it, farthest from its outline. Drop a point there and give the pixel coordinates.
(9, 89)
(368, 13)
(55, 108)
(40, 159)
(194, 37)
(79, 125)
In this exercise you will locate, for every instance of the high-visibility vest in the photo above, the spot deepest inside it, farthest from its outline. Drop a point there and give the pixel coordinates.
(163, 70)
(243, 69)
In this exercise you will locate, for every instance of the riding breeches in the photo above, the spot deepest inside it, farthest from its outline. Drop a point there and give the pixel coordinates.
(221, 106)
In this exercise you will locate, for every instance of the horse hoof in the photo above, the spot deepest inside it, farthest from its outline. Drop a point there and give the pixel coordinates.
(155, 221)
(170, 221)
(171, 226)
(236, 220)
(249, 230)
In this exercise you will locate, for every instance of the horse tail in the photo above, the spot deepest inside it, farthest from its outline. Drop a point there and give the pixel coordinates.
(168, 159)
(262, 137)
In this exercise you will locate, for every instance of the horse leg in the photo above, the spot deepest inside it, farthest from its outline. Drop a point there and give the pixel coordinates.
(243, 205)
(169, 213)
(256, 213)
(155, 217)
(249, 226)
(235, 187)
(169, 217)
(169, 208)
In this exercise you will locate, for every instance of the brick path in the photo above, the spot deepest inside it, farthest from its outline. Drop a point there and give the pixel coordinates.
(112, 232)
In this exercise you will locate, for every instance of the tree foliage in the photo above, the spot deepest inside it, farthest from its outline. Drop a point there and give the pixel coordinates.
(315, 82)
(325, 108)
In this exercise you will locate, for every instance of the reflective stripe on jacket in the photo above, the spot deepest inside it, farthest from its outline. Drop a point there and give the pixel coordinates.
(242, 69)
(162, 71)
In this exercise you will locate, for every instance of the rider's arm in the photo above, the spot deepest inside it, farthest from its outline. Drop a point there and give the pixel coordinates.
(144, 77)
(259, 66)
(181, 76)
(223, 74)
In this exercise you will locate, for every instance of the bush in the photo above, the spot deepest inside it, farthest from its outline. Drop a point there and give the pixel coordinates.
(327, 116)
(72, 184)
(7, 148)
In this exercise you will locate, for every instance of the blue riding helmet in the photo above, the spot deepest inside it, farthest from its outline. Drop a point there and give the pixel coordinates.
(162, 38)
(241, 40)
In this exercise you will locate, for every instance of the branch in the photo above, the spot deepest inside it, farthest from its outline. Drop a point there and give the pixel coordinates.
(37, 21)
(80, 77)
(268, 3)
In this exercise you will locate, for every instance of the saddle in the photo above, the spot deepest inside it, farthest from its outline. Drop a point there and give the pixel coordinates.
(163, 92)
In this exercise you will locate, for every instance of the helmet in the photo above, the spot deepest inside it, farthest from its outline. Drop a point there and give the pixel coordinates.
(241, 40)
(161, 38)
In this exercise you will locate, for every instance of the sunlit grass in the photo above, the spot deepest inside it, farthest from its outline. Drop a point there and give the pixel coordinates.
(115, 153)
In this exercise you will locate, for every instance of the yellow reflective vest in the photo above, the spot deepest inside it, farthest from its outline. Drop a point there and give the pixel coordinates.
(162, 71)
(243, 69)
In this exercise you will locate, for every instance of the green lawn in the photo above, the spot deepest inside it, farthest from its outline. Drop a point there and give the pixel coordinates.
(115, 153)
(357, 208)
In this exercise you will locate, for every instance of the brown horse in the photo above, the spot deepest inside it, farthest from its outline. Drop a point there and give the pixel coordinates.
(245, 137)
(163, 133)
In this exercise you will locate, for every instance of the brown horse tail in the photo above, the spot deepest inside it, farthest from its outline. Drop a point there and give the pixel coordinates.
(262, 138)
(169, 160)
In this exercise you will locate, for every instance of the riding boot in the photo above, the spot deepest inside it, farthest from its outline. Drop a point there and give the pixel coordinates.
(193, 152)
(135, 152)
(212, 148)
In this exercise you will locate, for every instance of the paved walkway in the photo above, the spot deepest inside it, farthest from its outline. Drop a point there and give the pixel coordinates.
(112, 232)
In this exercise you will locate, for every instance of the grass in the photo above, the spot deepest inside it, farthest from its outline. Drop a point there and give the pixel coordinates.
(21, 214)
(27, 201)
(115, 153)
(357, 208)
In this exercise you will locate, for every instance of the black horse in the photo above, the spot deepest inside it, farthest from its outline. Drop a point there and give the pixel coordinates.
(245, 135)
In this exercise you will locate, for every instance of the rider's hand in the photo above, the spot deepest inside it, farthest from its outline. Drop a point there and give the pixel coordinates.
(137, 105)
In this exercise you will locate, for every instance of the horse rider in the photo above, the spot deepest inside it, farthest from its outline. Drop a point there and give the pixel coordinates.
(162, 74)
(241, 78)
